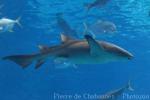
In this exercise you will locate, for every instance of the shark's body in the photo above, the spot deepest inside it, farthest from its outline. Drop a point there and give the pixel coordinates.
(87, 51)
(64, 25)
(113, 95)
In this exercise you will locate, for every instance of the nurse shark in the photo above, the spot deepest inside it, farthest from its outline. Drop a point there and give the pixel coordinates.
(86, 51)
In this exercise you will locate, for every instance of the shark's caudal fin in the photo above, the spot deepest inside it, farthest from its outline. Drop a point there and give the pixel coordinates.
(129, 87)
(18, 22)
(24, 60)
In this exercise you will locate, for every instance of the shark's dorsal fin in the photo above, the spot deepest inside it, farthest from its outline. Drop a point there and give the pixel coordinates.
(95, 48)
(65, 38)
(43, 48)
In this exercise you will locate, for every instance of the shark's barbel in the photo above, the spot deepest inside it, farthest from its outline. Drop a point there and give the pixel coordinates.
(87, 51)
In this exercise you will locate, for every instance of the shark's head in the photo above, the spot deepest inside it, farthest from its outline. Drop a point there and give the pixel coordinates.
(109, 50)
(116, 51)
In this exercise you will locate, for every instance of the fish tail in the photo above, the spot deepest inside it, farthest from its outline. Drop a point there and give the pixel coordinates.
(25, 60)
(129, 87)
(18, 22)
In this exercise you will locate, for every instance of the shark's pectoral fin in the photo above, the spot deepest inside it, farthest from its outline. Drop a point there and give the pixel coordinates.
(62, 63)
(95, 48)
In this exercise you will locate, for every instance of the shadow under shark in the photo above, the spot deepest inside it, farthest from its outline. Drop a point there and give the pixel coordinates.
(87, 51)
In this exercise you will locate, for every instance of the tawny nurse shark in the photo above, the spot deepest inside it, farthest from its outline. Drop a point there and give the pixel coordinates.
(87, 51)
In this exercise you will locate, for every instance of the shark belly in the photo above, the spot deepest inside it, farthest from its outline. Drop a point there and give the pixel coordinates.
(91, 59)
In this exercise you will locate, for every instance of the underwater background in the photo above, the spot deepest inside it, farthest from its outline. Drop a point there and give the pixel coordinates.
(38, 18)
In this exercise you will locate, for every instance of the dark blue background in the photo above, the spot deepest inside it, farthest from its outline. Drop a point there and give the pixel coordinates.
(39, 27)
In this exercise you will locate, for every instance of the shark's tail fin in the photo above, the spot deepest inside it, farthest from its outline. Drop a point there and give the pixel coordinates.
(129, 87)
(18, 22)
(24, 60)
(85, 28)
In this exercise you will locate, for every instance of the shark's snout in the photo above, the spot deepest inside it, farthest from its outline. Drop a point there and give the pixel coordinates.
(130, 56)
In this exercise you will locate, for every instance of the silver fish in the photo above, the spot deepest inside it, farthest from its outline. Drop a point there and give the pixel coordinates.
(88, 51)
(101, 27)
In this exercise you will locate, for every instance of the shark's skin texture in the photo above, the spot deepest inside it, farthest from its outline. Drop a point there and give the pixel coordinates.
(88, 51)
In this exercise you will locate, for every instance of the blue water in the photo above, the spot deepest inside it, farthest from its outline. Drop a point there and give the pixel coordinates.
(39, 27)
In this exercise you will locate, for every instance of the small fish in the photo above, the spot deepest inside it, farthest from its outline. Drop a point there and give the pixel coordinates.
(113, 95)
(96, 3)
(64, 26)
(101, 27)
(75, 52)
(8, 24)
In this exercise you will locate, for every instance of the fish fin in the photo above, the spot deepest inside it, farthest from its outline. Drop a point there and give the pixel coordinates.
(39, 63)
(129, 86)
(18, 22)
(43, 48)
(65, 38)
(94, 46)
(22, 60)
(87, 31)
